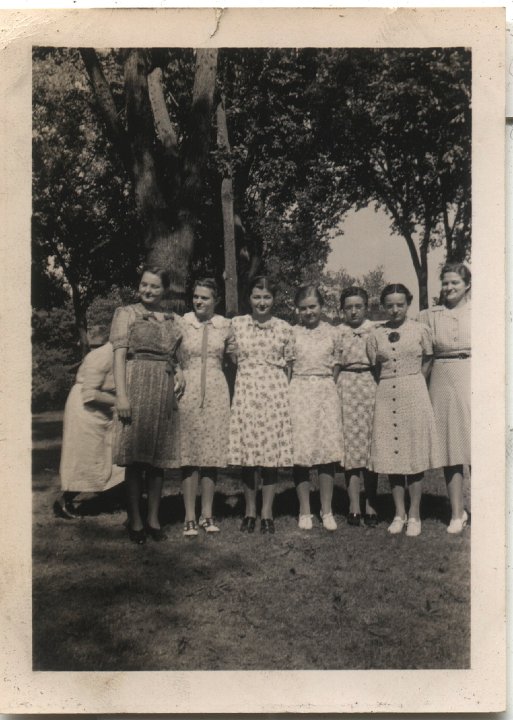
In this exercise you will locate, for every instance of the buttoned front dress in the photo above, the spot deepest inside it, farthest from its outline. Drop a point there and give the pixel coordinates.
(357, 392)
(404, 436)
(260, 424)
(204, 408)
(151, 436)
(449, 382)
(86, 458)
(314, 406)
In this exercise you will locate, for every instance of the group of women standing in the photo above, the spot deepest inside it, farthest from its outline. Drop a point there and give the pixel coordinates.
(310, 396)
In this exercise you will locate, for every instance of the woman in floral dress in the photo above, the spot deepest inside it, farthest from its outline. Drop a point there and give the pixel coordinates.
(145, 339)
(260, 425)
(404, 437)
(204, 409)
(314, 406)
(356, 386)
(449, 381)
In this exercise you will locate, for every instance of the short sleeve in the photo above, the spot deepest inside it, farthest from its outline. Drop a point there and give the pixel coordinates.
(289, 346)
(119, 328)
(425, 318)
(372, 348)
(426, 339)
(95, 368)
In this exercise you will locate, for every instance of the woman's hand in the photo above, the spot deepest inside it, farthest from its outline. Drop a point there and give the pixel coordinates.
(123, 408)
(180, 383)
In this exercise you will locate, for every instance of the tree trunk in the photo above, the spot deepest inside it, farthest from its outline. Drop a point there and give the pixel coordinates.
(422, 276)
(230, 259)
(174, 250)
(80, 319)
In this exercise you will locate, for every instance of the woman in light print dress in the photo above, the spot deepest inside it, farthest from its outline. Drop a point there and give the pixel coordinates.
(449, 381)
(314, 406)
(145, 339)
(404, 438)
(356, 386)
(86, 458)
(204, 409)
(260, 425)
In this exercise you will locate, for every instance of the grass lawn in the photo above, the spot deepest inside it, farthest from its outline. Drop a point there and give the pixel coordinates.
(354, 599)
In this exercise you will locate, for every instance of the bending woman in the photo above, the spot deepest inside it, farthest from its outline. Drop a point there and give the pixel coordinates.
(145, 339)
(449, 382)
(86, 458)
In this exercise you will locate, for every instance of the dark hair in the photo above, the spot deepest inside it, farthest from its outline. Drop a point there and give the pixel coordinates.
(262, 282)
(456, 267)
(207, 282)
(396, 288)
(353, 291)
(306, 291)
(164, 276)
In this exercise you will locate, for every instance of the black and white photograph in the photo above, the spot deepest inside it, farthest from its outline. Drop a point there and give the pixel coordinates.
(251, 279)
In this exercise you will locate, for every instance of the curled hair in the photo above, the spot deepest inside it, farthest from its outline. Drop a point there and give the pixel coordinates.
(460, 269)
(262, 282)
(306, 291)
(164, 276)
(209, 283)
(353, 291)
(396, 288)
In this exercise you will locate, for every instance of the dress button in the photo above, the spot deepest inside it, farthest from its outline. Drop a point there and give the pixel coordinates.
(396, 438)
(393, 399)
(396, 452)
(395, 424)
(393, 387)
(393, 412)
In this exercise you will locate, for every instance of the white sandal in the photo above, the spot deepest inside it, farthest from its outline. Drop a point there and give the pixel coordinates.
(397, 525)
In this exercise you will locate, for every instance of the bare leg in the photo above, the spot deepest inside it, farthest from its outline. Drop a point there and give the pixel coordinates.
(326, 488)
(249, 483)
(454, 481)
(208, 486)
(133, 477)
(155, 478)
(270, 478)
(302, 482)
(397, 484)
(415, 490)
(353, 490)
(190, 478)
(370, 484)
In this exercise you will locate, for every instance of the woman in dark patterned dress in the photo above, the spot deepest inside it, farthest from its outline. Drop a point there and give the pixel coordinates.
(145, 339)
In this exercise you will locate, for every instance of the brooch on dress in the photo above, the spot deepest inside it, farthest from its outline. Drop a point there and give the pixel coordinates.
(394, 337)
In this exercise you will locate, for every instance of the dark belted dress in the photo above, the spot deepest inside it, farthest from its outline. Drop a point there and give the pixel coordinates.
(151, 436)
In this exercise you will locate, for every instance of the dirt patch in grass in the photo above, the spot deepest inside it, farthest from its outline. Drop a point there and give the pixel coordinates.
(354, 599)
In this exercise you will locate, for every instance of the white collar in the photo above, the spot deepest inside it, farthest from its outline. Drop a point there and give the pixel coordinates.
(216, 321)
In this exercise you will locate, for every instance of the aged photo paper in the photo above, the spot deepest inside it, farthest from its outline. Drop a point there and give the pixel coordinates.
(481, 687)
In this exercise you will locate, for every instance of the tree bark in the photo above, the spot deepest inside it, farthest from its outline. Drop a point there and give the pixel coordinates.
(230, 259)
(80, 319)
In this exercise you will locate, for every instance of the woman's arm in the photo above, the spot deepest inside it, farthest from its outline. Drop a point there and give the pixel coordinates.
(99, 397)
(122, 403)
(427, 364)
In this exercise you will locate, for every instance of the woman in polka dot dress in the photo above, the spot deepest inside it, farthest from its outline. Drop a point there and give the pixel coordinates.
(404, 437)
(260, 424)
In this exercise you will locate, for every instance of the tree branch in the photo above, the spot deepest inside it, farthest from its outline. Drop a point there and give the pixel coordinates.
(165, 130)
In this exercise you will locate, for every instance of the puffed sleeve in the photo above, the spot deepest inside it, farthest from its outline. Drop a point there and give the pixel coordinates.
(96, 366)
(425, 318)
(426, 339)
(289, 346)
(340, 342)
(119, 328)
(230, 344)
(372, 348)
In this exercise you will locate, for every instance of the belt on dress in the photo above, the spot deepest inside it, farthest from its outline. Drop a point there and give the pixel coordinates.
(457, 356)
(171, 403)
(298, 376)
(355, 370)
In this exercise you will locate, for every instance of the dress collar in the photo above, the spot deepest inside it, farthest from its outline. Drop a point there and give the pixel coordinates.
(190, 318)
(263, 326)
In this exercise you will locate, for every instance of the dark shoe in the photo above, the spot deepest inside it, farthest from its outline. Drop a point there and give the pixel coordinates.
(137, 536)
(67, 511)
(371, 520)
(156, 534)
(267, 526)
(248, 525)
(354, 519)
